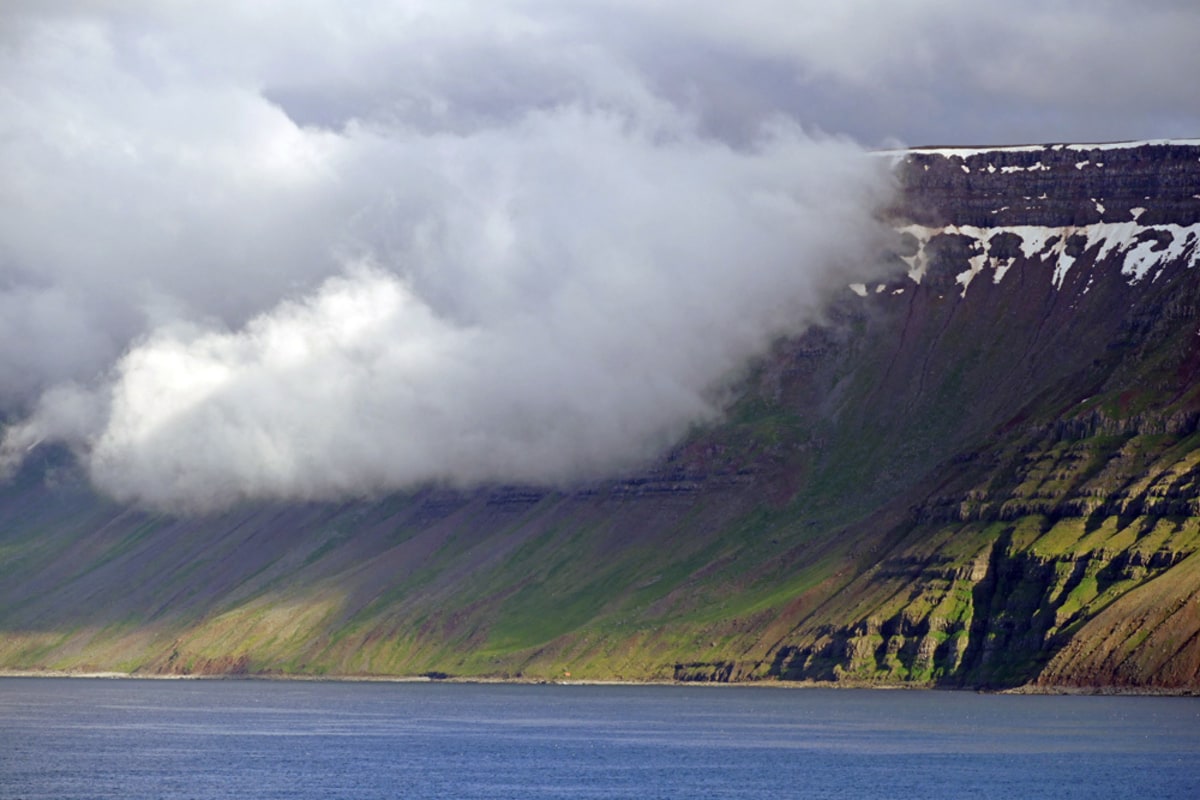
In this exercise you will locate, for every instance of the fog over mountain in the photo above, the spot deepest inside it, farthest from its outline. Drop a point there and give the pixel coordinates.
(300, 250)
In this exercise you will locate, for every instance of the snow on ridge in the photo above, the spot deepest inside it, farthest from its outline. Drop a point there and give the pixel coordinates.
(1140, 247)
(963, 152)
(1038, 167)
(1133, 144)
(971, 151)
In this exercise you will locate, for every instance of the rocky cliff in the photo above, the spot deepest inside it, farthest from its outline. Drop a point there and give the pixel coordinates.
(980, 472)
(1053, 315)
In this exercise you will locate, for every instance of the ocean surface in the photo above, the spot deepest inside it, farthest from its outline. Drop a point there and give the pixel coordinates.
(102, 738)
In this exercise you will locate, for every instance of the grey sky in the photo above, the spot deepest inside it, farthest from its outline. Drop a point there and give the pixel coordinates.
(922, 71)
(302, 249)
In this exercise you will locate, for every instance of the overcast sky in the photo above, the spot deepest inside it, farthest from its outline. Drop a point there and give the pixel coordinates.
(315, 250)
(921, 71)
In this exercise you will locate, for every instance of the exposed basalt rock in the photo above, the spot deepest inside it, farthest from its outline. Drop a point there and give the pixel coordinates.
(1089, 450)
(993, 627)
(1054, 185)
(1099, 423)
(717, 671)
(199, 666)
(701, 672)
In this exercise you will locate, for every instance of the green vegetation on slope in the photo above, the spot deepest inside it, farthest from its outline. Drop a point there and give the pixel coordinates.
(992, 491)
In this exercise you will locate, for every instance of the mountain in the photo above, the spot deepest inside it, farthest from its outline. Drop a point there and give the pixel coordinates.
(983, 471)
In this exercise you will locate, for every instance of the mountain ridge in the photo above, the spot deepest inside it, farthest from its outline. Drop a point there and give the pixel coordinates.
(981, 472)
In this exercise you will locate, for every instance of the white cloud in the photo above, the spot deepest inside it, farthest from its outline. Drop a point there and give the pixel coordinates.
(304, 249)
(928, 71)
(546, 281)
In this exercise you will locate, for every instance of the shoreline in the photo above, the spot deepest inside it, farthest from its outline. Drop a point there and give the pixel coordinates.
(1027, 690)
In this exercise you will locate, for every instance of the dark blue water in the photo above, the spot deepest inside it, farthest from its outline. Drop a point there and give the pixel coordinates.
(216, 739)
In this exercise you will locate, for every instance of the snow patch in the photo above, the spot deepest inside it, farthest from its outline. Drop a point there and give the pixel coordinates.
(976, 264)
(1061, 267)
(1038, 167)
(1136, 212)
(963, 152)
(1139, 259)
(1141, 248)
(1132, 145)
(859, 289)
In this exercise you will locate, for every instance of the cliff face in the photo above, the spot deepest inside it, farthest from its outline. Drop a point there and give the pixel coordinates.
(1055, 186)
(982, 472)
(1054, 331)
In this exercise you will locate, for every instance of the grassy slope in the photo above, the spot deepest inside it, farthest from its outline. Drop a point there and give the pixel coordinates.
(928, 490)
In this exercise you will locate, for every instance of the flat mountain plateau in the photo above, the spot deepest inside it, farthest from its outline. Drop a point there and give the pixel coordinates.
(982, 472)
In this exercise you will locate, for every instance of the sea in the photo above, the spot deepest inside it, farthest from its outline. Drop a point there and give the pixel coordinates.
(119, 738)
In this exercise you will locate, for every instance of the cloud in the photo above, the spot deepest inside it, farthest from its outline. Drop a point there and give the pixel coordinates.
(306, 249)
(926, 71)
(489, 261)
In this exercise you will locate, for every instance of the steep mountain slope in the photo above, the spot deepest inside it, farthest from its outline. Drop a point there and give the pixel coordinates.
(1061, 360)
(982, 472)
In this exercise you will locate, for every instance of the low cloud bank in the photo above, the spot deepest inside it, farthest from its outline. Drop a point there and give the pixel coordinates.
(209, 299)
